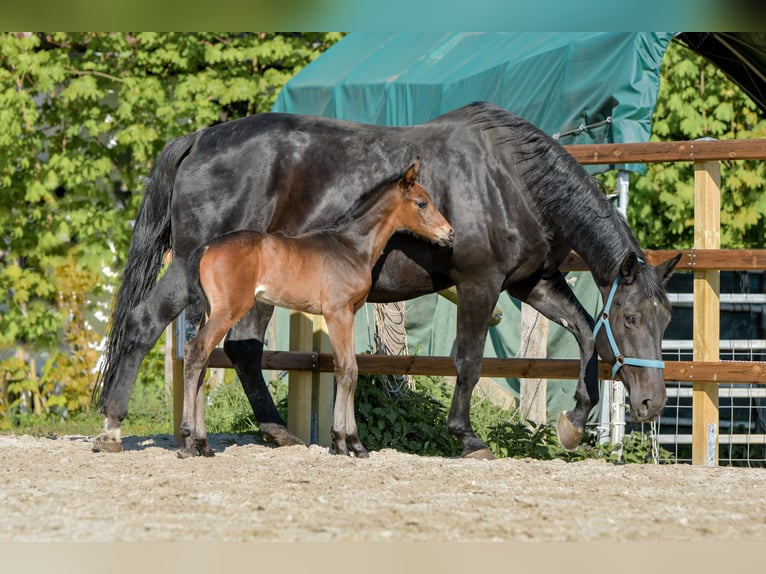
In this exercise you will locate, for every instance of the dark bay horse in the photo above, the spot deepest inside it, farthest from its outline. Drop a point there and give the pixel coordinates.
(324, 272)
(518, 203)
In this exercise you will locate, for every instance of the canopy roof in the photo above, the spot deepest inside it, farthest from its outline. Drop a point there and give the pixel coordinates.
(739, 55)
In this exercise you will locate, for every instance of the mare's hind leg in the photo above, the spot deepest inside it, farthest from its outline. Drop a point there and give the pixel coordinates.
(475, 305)
(244, 346)
(144, 326)
(200, 435)
(555, 300)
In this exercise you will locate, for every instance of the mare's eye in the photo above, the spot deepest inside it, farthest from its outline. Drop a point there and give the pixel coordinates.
(630, 319)
(422, 204)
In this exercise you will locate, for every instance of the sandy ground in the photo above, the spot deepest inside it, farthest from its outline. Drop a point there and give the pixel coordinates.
(56, 489)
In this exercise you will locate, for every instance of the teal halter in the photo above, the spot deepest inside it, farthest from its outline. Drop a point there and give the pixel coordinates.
(620, 360)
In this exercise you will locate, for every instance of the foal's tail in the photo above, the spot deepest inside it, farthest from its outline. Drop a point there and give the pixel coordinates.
(148, 246)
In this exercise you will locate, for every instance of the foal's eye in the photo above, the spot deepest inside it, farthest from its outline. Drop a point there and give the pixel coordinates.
(630, 319)
(422, 204)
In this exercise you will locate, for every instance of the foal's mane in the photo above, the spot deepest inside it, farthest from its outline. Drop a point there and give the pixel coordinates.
(362, 204)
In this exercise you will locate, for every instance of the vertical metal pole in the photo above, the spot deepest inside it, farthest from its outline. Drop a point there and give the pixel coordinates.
(179, 340)
(604, 416)
(618, 390)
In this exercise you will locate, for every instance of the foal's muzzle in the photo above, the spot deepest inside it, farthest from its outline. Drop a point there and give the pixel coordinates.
(448, 241)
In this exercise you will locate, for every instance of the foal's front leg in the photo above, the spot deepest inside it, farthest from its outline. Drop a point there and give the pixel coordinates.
(345, 434)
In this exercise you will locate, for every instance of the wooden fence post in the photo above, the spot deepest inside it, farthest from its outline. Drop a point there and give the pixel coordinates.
(534, 344)
(706, 317)
(299, 395)
(323, 387)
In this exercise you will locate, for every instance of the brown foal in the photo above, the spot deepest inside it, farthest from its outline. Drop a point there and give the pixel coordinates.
(324, 272)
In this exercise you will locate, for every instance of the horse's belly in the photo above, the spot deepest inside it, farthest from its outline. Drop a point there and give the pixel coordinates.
(299, 301)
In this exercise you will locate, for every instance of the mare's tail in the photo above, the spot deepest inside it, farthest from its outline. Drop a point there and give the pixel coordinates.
(148, 246)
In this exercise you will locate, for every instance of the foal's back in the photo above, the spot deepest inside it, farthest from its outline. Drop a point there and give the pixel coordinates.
(307, 272)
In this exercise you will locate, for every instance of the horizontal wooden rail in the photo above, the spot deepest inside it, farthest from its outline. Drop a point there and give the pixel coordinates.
(657, 152)
(693, 259)
(722, 371)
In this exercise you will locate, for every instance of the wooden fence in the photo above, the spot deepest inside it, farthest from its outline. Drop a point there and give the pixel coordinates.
(310, 392)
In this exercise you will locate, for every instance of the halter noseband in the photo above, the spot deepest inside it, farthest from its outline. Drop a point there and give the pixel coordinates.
(620, 360)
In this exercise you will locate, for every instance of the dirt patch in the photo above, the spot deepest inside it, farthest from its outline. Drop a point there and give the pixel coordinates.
(56, 489)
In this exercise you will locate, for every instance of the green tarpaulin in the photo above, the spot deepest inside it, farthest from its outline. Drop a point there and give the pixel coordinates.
(586, 87)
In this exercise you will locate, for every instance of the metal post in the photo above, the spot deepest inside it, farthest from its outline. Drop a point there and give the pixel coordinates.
(617, 420)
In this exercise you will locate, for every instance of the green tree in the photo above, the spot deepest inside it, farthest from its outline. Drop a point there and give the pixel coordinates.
(82, 117)
(696, 100)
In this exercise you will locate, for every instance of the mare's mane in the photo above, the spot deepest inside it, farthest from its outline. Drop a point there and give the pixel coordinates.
(569, 202)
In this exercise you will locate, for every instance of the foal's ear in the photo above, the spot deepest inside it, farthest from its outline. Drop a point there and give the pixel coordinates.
(411, 175)
(665, 269)
(629, 268)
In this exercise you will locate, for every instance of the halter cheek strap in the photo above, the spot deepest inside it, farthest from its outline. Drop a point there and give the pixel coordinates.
(620, 360)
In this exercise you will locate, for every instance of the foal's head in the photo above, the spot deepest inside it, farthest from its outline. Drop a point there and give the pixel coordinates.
(418, 214)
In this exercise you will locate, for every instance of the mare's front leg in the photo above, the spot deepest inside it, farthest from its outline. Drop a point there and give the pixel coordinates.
(345, 433)
(476, 302)
(144, 325)
(555, 300)
(244, 347)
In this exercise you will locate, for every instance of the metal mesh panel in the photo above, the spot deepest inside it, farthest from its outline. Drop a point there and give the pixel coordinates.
(742, 408)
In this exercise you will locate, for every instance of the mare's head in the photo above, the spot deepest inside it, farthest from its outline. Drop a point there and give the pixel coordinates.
(637, 313)
(417, 212)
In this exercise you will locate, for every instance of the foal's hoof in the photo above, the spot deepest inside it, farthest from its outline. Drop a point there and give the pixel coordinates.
(569, 435)
(185, 453)
(480, 454)
(279, 435)
(360, 452)
(103, 443)
(205, 451)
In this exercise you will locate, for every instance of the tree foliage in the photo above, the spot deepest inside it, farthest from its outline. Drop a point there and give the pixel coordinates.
(82, 117)
(696, 100)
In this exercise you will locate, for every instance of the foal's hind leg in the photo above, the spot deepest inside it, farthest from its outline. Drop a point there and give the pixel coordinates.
(554, 299)
(196, 355)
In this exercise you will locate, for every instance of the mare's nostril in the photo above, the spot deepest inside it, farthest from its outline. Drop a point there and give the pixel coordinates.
(452, 235)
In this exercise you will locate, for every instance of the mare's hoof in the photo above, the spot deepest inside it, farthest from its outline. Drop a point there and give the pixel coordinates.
(185, 453)
(481, 454)
(207, 452)
(279, 435)
(104, 444)
(361, 453)
(569, 435)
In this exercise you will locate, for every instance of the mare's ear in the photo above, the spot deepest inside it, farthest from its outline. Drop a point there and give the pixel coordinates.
(411, 175)
(629, 268)
(665, 269)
